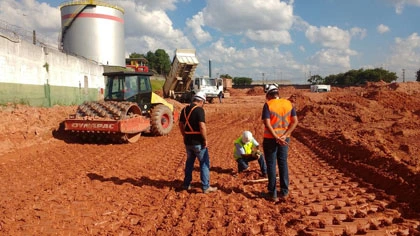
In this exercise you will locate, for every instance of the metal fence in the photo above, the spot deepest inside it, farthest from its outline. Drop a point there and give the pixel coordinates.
(16, 34)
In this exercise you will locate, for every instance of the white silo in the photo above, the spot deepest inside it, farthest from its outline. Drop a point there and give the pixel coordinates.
(94, 30)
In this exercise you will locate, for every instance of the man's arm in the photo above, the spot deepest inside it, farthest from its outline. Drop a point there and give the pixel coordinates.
(292, 126)
(279, 139)
(203, 131)
(267, 124)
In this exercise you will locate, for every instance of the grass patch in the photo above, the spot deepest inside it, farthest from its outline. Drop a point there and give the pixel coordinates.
(157, 85)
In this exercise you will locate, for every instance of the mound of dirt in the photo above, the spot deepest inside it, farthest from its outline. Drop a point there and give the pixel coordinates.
(23, 126)
(255, 91)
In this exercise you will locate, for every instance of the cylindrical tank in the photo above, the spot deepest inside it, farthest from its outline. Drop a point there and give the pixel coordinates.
(94, 30)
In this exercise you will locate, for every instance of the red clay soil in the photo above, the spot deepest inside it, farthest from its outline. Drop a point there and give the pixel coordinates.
(354, 168)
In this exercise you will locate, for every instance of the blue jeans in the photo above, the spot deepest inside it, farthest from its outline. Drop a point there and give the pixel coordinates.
(275, 152)
(243, 164)
(202, 154)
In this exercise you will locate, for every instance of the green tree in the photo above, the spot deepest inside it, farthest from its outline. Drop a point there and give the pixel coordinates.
(136, 55)
(163, 62)
(316, 79)
(150, 56)
(418, 76)
(361, 76)
(350, 77)
(226, 76)
(159, 61)
(242, 81)
(331, 79)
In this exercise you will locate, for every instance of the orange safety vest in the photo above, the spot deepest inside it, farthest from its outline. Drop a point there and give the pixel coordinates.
(280, 116)
(187, 122)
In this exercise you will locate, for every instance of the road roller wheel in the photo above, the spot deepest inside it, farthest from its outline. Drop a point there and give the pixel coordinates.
(162, 120)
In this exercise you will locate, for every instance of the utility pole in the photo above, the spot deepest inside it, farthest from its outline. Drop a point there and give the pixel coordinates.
(263, 77)
(210, 68)
(403, 70)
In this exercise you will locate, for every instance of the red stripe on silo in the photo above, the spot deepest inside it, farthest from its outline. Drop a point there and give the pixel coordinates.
(93, 15)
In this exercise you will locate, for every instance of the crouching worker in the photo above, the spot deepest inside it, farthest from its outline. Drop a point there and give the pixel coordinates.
(246, 149)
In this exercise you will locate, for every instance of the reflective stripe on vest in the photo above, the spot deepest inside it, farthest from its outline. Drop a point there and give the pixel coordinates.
(280, 116)
(247, 147)
(187, 122)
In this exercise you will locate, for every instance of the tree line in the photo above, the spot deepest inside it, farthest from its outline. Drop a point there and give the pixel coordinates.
(355, 77)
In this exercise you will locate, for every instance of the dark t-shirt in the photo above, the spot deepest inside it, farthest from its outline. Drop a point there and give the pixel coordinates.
(196, 117)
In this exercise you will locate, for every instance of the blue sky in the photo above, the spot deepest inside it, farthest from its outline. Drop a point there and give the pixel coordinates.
(287, 40)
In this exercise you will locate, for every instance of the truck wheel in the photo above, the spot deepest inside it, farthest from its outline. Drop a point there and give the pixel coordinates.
(162, 120)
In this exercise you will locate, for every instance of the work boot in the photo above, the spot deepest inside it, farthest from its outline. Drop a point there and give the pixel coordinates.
(210, 190)
(283, 197)
(269, 196)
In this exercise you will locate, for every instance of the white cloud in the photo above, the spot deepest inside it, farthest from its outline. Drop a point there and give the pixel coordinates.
(406, 55)
(300, 24)
(382, 29)
(330, 37)
(302, 48)
(160, 5)
(333, 60)
(148, 30)
(358, 32)
(31, 15)
(269, 36)
(400, 4)
(194, 25)
(336, 55)
(257, 19)
(249, 62)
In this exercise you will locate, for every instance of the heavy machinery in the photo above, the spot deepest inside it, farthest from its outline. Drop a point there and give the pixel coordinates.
(180, 83)
(129, 109)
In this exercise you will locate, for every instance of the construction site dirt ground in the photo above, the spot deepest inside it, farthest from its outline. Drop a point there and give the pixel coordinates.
(354, 166)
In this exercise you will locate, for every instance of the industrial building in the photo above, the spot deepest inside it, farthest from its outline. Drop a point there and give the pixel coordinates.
(33, 73)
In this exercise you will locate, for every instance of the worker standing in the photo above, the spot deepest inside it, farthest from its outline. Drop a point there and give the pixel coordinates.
(192, 124)
(280, 119)
(246, 149)
(220, 96)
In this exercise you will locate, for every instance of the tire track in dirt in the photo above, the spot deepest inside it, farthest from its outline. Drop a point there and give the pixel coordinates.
(328, 202)
(356, 160)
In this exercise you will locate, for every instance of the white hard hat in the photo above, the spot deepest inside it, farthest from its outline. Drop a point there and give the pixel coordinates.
(200, 95)
(246, 136)
(271, 88)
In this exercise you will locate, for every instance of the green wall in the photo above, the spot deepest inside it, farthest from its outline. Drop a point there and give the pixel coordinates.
(46, 95)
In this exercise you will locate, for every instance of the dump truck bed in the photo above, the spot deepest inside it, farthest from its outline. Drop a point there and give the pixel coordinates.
(182, 71)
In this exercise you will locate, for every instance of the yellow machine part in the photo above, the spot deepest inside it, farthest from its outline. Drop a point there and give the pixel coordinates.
(158, 99)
